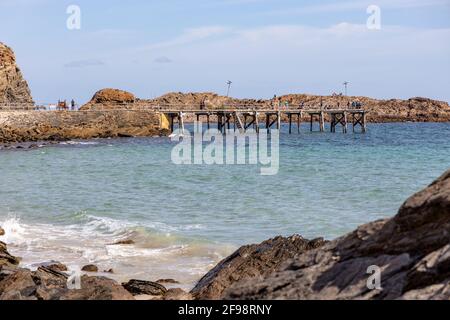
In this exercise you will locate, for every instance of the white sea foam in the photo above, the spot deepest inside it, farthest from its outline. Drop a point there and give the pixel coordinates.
(83, 143)
(14, 231)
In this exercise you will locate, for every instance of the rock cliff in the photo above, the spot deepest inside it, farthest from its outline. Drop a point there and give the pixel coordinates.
(13, 87)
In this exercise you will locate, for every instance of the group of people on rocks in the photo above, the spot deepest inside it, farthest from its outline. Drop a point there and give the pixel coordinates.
(62, 105)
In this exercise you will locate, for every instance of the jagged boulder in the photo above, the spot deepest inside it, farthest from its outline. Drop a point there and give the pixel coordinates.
(140, 287)
(412, 251)
(97, 288)
(6, 259)
(109, 99)
(251, 262)
(13, 87)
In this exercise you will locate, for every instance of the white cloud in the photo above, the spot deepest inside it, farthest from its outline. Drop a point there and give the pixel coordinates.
(191, 35)
(18, 3)
(163, 59)
(84, 63)
(341, 6)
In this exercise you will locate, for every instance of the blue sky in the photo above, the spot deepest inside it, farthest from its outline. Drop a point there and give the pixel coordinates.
(265, 47)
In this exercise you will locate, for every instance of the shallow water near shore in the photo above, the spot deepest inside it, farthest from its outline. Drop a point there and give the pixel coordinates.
(71, 202)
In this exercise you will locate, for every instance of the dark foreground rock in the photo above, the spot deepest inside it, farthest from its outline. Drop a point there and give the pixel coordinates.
(250, 262)
(48, 284)
(98, 288)
(57, 266)
(139, 287)
(167, 281)
(6, 259)
(177, 294)
(90, 268)
(412, 251)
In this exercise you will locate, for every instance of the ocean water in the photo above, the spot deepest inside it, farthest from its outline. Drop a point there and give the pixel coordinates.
(70, 202)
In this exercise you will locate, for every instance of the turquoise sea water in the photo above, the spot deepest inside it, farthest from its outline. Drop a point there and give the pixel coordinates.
(70, 202)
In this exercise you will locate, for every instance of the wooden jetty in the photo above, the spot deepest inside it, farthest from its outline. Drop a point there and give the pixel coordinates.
(243, 120)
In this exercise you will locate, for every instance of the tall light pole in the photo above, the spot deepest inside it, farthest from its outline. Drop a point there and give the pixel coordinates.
(346, 83)
(229, 83)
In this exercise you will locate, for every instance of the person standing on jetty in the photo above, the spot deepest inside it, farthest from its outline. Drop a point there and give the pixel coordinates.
(275, 102)
(203, 104)
(72, 105)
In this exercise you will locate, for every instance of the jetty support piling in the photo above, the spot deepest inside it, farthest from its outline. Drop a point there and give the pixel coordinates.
(290, 123)
(219, 121)
(204, 114)
(322, 121)
(270, 122)
(243, 119)
(279, 120)
(256, 115)
(238, 124)
(181, 121)
(299, 120)
(338, 118)
(359, 119)
(291, 117)
(321, 116)
(253, 122)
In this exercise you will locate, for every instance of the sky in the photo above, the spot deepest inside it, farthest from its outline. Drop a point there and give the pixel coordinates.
(264, 47)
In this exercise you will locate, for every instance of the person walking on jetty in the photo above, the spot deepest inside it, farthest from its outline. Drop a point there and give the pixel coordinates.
(72, 105)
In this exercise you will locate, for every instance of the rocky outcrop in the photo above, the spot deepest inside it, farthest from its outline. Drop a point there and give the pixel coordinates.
(13, 87)
(250, 262)
(208, 100)
(412, 251)
(2, 232)
(393, 110)
(65, 125)
(107, 99)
